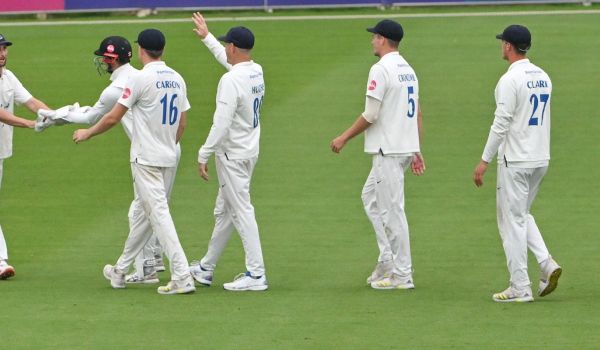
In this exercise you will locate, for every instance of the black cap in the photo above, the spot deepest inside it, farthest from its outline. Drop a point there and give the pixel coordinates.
(517, 35)
(388, 29)
(151, 39)
(240, 37)
(3, 41)
(115, 46)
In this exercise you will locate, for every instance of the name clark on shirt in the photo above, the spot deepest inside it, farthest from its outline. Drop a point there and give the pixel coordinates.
(537, 84)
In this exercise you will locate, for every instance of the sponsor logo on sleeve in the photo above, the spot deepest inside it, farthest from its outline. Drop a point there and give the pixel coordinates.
(126, 93)
(372, 85)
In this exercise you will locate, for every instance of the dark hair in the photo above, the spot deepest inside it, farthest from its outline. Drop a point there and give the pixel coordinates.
(154, 53)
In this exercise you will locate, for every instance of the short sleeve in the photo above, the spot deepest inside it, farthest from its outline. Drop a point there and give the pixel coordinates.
(131, 92)
(21, 94)
(377, 82)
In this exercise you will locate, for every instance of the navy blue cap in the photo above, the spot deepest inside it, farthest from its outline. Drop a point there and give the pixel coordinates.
(517, 35)
(3, 41)
(388, 29)
(151, 39)
(240, 37)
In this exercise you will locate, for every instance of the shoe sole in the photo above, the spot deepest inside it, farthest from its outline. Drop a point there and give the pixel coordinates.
(552, 282)
(514, 300)
(8, 273)
(402, 286)
(159, 268)
(187, 290)
(248, 289)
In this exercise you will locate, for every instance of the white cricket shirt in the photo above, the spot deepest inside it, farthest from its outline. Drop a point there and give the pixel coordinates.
(235, 132)
(520, 133)
(11, 91)
(395, 130)
(156, 95)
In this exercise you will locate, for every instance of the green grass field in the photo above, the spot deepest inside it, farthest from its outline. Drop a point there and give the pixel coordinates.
(63, 207)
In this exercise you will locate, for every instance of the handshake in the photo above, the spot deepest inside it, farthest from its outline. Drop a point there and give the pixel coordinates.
(46, 118)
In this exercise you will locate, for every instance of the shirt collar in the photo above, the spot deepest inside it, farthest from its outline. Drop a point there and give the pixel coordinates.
(119, 71)
(515, 63)
(390, 54)
(242, 64)
(154, 63)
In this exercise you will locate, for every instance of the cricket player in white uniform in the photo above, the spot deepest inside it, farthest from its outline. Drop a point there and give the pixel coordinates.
(11, 92)
(392, 123)
(113, 56)
(157, 97)
(520, 135)
(234, 140)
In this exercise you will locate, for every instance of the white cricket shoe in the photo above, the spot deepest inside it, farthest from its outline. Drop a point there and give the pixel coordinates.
(382, 270)
(245, 282)
(6, 271)
(549, 276)
(512, 294)
(135, 278)
(200, 274)
(184, 286)
(394, 282)
(116, 278)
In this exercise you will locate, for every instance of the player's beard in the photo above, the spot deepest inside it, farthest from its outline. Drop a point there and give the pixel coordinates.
(109, 68)
(3, 62)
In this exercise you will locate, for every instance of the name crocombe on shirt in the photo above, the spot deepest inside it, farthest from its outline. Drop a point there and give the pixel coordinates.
(11, 92)
(156, 95)
(395, 131)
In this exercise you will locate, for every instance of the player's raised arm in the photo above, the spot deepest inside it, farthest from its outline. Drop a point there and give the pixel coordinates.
(213, 45)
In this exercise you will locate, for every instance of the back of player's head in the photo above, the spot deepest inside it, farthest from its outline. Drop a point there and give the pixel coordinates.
(517, 35)
(240, 37)
(388, 29)
(153, 41)
(115, 47)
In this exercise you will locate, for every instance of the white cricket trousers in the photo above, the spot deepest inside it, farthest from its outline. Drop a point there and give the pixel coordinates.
(233, 209)
(138, 221)
(150, 186)
(383, 200)
(516, 190)
(3, 248)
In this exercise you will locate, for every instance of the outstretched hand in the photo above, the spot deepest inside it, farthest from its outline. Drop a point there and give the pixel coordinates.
(201, 28)
(81, 135)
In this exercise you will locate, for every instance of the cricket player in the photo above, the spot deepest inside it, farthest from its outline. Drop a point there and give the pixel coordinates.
(157, 97)
(234, 140)
(11, 92)
(113, 56)
(520, 135)
(392, 123)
